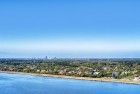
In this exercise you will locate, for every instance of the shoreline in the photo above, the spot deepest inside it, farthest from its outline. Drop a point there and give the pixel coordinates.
(123, 81)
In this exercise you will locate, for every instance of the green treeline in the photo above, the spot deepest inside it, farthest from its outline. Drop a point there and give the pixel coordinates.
(96, 68)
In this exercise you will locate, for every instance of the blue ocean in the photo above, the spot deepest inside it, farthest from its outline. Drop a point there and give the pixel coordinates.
(27, 84)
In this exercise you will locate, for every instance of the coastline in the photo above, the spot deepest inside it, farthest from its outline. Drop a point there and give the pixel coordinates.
(125, 81)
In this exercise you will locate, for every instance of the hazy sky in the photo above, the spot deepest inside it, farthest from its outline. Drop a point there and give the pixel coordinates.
(70, 28)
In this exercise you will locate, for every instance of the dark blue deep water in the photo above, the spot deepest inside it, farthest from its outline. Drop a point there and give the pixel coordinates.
(26, 84)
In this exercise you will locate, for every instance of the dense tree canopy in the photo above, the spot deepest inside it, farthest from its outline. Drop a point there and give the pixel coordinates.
(97, 68)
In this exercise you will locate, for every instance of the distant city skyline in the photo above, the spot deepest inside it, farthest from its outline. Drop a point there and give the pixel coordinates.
(70, 29)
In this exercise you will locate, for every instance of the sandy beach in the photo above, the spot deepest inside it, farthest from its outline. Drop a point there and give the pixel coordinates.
(126, 81)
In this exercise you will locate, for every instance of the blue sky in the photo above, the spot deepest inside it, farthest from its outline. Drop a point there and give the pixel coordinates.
(69, 28)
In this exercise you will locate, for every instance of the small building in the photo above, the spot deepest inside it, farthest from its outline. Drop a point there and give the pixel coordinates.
(43, 71)
(137, 78)
(115, 74)
(95, 73)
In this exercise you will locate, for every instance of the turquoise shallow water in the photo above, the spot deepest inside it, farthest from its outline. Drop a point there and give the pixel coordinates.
(26, 84)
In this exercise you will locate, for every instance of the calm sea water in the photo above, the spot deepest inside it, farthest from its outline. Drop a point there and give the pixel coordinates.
(26, 84)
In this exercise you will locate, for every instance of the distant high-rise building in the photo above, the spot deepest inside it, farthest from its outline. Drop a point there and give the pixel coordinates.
(46, 57)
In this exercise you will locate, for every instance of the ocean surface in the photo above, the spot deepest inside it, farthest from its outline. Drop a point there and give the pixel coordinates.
(27, 84)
